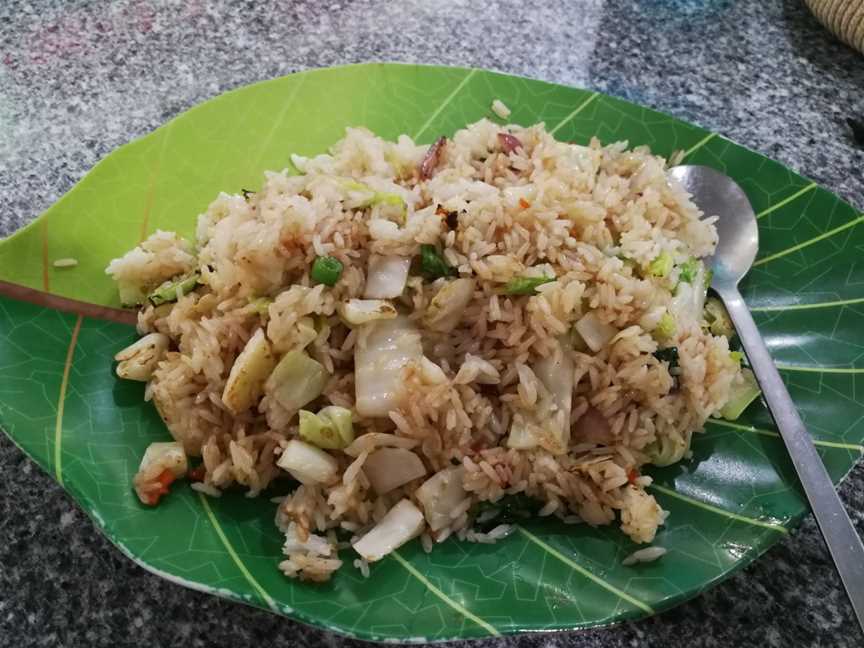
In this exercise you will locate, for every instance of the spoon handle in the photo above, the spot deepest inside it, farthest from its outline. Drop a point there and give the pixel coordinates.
(834, 523)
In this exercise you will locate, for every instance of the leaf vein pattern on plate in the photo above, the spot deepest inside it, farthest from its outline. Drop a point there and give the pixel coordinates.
(585, 572)
(61, 402)
(719, 511)
(230, 549)
(441, 595)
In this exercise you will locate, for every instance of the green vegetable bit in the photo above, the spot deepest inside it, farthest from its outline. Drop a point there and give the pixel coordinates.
(331, 428)
(665, 329)
(432, 263)
(689, 269)
(661, 266)
(377, 197)
(383, 198)
(296, 380)
(718, 320)
(353, 185)
(736, 357)
(525, 285)
(669, 354)
(667, 450)
(629, 263)
(172, 290)
(326, 270)
(261, 305)
(741, 395)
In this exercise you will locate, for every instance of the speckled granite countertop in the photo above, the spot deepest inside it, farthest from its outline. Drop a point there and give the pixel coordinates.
(78, 79)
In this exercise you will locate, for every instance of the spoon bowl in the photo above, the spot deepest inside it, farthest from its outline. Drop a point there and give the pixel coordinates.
(717, 194)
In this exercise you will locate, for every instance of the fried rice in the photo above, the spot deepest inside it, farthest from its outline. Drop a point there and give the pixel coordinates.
(501, 314)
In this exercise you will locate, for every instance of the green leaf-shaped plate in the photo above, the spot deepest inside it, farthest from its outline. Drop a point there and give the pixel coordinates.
(60, 401)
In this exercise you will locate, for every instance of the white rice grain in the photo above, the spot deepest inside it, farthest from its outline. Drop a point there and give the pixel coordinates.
(206, 489)
(66, 263)
(648, 554)
(500, 109)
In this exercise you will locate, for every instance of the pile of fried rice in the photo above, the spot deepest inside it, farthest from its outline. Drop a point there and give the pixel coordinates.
(415, 333)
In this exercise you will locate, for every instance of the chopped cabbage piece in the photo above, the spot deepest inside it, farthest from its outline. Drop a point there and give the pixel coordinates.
(138, 361)
(665, 329)
(360, 311)
(245, 383)
(307, 464)
(296, 380)
(377, 198)
(668, 449)
(661, 266)
(718, 320)
(742, 393)
(449, 303)
(382, 351)
(169, 455)
(689, 300)
(440, 494)
(330, 428)
(162, 463)
(389, 468)
(261, 305)
(548, 425)
(402, 523)
(595, 332)
(386, 276)
(688, 270)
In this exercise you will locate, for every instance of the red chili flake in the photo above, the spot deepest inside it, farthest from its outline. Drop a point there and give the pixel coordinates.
(197, 474)
(509, 143)
(524, 204)
(632, 476)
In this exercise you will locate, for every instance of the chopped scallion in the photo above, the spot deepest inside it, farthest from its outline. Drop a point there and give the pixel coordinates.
(525, 285)
(432, 263)
(171, 291)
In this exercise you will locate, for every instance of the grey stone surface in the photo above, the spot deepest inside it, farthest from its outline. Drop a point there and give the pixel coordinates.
(78, 79)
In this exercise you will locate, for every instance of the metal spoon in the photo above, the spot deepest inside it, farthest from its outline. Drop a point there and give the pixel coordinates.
(717, 194)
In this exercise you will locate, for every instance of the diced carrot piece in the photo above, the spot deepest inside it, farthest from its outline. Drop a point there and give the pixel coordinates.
(165, 478)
